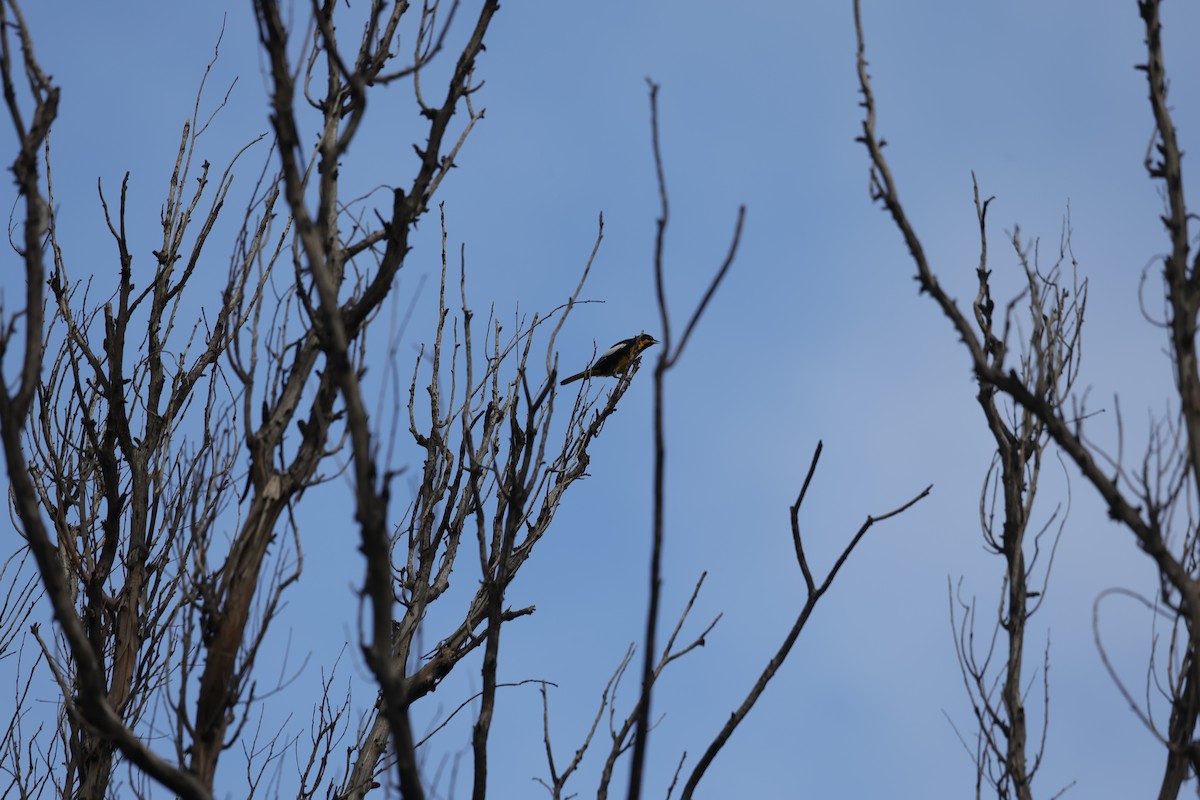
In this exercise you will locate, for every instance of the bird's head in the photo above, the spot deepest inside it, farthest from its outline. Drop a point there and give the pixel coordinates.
(642, 341)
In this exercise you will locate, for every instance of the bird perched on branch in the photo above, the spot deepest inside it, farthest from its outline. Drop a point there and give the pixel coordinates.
(616, 359)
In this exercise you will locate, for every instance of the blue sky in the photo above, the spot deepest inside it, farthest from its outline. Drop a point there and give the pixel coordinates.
(818, 334)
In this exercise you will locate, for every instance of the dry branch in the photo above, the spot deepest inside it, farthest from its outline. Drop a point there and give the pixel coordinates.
(1144, 501)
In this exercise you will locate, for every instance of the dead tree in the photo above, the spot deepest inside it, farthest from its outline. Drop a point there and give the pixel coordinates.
(159, 455)
(1046, 319)
(77, 481)
(147, 433)
(1154, 499)
(162, 436)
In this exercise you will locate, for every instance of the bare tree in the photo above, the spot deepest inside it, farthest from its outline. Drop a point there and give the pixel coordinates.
(1047, 315)
(1152, 499)
(139, 443)
(161, 436)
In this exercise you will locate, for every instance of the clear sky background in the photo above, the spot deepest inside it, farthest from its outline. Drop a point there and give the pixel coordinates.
(818, 334)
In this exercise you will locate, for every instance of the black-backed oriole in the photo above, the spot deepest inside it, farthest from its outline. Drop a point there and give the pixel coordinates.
(616, 359)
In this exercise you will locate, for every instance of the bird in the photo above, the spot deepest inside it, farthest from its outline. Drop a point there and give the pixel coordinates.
(615, 360)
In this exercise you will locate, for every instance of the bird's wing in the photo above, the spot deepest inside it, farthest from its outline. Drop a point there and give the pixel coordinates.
(609, 359)
(612, 351)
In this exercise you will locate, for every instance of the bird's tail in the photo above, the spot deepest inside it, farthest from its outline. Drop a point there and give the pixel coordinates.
(573, 378)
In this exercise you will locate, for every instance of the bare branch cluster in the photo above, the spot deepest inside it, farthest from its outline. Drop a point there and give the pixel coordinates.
(668, 357)
(1152, 500)
(1047, 316)
(162, 430)
(171, 436)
